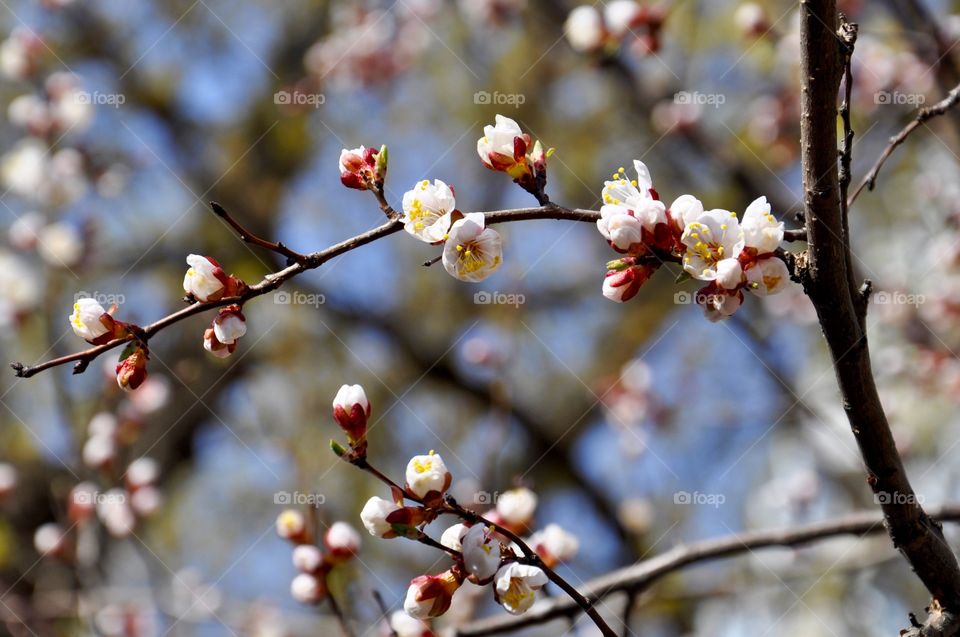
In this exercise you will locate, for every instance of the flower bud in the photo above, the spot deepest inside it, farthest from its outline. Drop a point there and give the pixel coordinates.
(307, 558)
(215, 347)
(205, 280)
(132, 368)
(516, 507)
(142, 472)
(291, 525)
(351, 409)
(554, 545)
(342, 540)
(430, 595)
(229, 325)
(49, 539)
(307, 589)
(403, 625)
(427, 474)
(362, 169)
(623, 285)
(374, 517)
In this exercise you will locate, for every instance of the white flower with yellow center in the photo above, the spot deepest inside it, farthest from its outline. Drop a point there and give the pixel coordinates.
(516, 585)
(622, 191)
(496, 147)
(85, 319)
(481, 552)
(427, 473)
(427, 209)
(713, 237)
(472, 252)
(761, 230)
(768, 276)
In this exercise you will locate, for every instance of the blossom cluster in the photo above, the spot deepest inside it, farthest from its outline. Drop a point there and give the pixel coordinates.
(119, 509)
(589, 29)
(714, 246)
(314, 560)
(482, 547)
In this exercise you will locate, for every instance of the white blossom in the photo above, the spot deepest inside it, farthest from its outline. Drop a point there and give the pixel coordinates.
(481, 552)
(516, 506)
(374, 516)
(427, 209)
(472, 252)
(768, 276)
(427, 473)
(516, 585)
(85, 319)
(713, 237)
(201, 279)
(584, 28)
(761, 230)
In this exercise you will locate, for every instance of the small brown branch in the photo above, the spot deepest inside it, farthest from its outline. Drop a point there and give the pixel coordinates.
(384, 612)
(922, 117)
(638, 577)
(248, 237)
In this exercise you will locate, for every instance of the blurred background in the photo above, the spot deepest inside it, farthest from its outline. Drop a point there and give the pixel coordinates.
(639, 426)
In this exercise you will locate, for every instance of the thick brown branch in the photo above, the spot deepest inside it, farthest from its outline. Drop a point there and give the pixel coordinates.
(827, 281)
(638, 577)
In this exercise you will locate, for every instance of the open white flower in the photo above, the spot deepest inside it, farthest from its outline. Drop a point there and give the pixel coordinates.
(472, 251)
(427, 209)
(85, 319)
(427, 473)
(713, 237)
(481, 552)
(516, 506)
(768, 276)
(761, 230)
(202, 280)
(516, 585)
(623, 191)
(584, 28)
(374, 516)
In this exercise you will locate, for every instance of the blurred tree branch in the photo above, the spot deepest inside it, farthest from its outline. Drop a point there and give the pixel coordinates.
(636, 578)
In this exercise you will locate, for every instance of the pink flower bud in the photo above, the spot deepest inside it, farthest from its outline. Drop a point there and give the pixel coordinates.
(132, 369)
(430, 595)
(307, 589)
(351, 409)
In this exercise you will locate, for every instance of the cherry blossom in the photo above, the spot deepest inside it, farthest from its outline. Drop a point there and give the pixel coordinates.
(714, 236)
(554, 545)
(374, 516)
(427, 474)
(481, 553)
(427, 210)
(307, 558)
(516, 584)
(472, 252)
(584, 29)
(430, 595)
(517, 506)
(205, 280)
(307, 589)
(351, 409)
(342, 540)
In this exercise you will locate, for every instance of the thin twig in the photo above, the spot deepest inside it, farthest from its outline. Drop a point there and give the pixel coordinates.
(922, 116)
(248, 237)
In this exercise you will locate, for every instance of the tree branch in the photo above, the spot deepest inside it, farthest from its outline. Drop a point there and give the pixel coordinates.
(638, 577)
(827, 281)
(922, 116)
